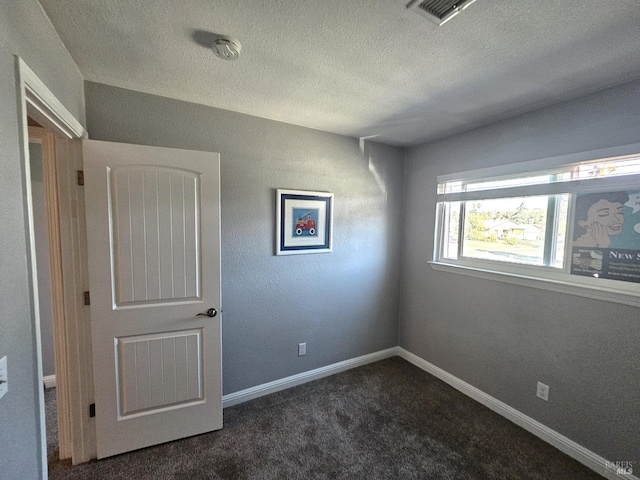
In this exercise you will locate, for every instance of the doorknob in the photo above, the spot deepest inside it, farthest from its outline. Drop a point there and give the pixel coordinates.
(212, 312)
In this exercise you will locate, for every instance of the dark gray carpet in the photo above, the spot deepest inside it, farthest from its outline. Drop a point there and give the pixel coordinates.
(387, 420)
(51, 419)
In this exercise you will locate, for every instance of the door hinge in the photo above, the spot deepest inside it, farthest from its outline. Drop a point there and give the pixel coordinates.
(87, 298)
(92, 410)
(81, 178)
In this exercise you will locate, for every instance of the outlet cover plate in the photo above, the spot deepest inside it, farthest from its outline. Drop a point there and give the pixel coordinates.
(543, 391)
(4, 386)
(302, 349)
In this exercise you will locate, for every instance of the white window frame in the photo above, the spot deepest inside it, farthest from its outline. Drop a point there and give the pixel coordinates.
(543, 277)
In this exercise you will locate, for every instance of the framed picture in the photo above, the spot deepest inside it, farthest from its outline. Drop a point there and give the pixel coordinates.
(304, 222)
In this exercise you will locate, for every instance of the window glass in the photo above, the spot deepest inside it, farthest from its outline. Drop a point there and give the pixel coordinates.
(610, 168)
(451, 227)
(506, 229)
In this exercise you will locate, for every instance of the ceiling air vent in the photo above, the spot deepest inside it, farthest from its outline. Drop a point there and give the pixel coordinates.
(439, 11)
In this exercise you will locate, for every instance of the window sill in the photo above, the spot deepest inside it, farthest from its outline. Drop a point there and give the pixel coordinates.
(626, 294)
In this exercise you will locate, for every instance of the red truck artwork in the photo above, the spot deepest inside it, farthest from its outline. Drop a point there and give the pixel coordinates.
(305, 222)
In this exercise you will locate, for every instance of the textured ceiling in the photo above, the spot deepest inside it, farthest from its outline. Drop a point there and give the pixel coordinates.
(363, 68)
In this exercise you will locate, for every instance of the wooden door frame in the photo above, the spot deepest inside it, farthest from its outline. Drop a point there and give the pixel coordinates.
(50, 175)
(75, 375)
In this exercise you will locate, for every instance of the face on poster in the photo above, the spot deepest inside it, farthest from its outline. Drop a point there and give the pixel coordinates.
(607, 220)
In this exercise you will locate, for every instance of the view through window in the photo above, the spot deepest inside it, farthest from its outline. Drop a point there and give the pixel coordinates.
(536, 219)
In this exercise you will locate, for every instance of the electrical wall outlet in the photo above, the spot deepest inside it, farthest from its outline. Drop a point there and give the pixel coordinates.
(4, 379)
(543, 391)
(302, 349)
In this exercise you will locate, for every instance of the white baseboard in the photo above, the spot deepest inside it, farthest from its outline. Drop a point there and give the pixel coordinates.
(586, 457)
(49, 381)
(288, 382)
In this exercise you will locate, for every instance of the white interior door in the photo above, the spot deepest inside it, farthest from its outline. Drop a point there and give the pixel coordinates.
(153, 227)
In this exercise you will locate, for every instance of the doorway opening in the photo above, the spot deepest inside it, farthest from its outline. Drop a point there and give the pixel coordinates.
(42, 163)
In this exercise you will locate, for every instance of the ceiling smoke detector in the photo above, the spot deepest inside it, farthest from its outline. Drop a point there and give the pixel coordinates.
(439, 11)
(226, 48)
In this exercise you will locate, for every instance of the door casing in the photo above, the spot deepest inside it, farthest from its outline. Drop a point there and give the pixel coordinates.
(37, 101)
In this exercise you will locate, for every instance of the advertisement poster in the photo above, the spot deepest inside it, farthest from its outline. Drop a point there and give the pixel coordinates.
(606, 236)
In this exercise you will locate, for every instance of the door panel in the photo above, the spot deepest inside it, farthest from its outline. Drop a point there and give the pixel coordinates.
(159, 371)
(153, 221)
(157, 258)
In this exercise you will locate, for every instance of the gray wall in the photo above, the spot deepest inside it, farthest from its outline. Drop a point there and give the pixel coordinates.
(20, 454)
(42, 259)
(343, 304)
(503, 338)
(26, 31)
